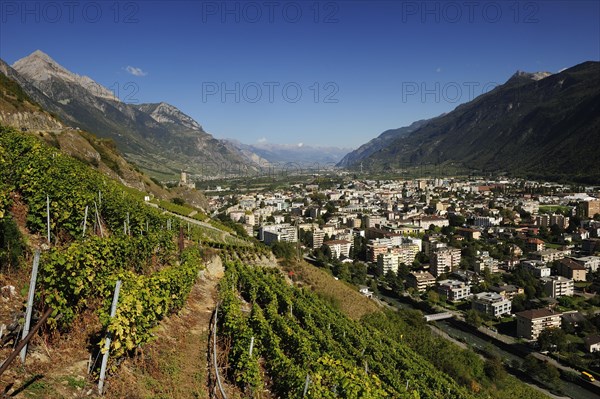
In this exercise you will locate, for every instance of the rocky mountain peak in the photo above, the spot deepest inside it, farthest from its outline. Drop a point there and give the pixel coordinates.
(39, 67)
(523, 76)
(166, 113)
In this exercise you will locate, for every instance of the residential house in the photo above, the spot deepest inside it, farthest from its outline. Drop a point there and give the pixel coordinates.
(591, 263)
(592, 343)
(472, 234)
(485, 261)
(536, 267)
(534, 244)
(508, 291)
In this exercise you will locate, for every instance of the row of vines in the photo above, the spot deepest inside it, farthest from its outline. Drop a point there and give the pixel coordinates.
(117, 238)
(298, 337)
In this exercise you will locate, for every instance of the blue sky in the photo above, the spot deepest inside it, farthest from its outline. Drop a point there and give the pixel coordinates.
(312, 72)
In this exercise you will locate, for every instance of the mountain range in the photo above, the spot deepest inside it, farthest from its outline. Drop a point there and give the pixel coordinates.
(300, 154)
(536, 124)
(379, 143)
(158, 137)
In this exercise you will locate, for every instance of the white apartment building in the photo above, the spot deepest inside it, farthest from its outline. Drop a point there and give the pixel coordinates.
(536, 267)
(454, 290)
(317, 238)
(339, 247)
(444, 260)
(530, 323)
(486, 221)
(557, 286)
(388, 261)
(420, 280)
(550, 255)
(485, 261)
(492, 304)
(277, 232)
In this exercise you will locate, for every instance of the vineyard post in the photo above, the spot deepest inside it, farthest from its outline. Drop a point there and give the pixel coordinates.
(24, 341)
(306, 384)
(181, 241)
(29, 311)
(251, 346)
(124, 228)
(85, 220)
(407, 384)
(216, 365)
(98, 219)
(113, 311)
(48, 216)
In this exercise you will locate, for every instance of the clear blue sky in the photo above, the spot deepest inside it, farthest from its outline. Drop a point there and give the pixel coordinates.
(361, 66)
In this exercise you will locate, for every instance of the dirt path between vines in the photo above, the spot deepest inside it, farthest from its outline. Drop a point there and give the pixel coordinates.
(174, 365)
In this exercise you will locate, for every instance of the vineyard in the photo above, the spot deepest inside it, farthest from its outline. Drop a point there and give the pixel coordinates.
(302, 346)
(96, 232)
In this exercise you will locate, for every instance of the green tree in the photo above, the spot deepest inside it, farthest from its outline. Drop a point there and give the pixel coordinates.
(456, 220)
(341, 271)
(494, 369)
(433, 297)
(358, 271)
(285, 250)
(178, 201)
(473, 318)
(552, 339)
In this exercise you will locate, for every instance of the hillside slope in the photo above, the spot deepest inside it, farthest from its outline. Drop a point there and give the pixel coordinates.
(18, 110)
(534, 125)
(379, 143)
(161, 139)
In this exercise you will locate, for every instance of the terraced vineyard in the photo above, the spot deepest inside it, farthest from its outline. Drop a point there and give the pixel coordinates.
(99, 232)
(299, 338)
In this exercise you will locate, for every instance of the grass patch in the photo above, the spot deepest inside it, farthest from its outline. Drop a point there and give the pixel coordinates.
(74, 382)
(340, 294)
